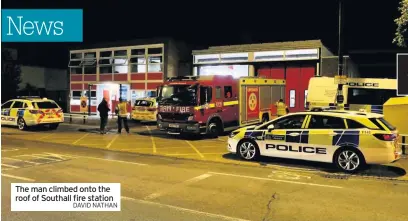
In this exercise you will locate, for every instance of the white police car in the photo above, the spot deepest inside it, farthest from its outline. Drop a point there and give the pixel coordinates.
(348, 139)
(25, 112)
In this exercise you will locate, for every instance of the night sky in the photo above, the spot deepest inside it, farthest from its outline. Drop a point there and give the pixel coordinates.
(367, 24)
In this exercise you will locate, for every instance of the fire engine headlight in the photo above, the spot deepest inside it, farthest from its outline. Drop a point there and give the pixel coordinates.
(159, 116)
(190, 118)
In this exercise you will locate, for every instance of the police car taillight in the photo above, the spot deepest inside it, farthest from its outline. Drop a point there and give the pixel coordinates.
(60, 111)
(34, 111)
(385, 137)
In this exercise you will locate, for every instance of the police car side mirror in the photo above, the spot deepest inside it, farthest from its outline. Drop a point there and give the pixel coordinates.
(270, 127)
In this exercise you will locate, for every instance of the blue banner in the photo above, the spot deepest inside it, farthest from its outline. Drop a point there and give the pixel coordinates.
(41, 25)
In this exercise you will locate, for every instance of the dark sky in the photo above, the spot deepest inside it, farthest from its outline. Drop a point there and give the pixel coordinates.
(367, 24)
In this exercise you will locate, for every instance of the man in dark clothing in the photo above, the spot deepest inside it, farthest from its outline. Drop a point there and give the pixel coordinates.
(103, 113)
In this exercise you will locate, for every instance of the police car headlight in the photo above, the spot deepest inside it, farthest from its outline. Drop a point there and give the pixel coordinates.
(233, 134)
(190, 118)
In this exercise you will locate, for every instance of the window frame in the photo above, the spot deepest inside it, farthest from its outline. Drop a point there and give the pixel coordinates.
(345, 126)
(266, 125)
(11, 103)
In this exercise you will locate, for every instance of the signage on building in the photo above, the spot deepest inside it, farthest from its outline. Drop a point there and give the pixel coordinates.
(84, 104)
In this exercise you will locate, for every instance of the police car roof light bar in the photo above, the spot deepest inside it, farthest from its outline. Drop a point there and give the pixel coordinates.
(28, 97)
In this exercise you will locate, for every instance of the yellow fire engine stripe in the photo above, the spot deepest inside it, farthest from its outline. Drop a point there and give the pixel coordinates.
(229, 103)
(204, 106)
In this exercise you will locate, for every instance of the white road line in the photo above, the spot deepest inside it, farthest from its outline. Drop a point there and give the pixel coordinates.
(152, 138)
(191, 154)
(212, 215)
(13, 149)
(46, 136)
(118, 161)
(25, 161)
(7, 165)
(184, 183)
(38, 156)
(17, 177)
(60, 156)
(113, 140)
(195, 149)
(75, 142)
(276, 180)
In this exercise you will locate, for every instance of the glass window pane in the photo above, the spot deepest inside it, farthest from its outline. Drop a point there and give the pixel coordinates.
(105, 70)
(121, 69)
(155, 59)
(105, 54)
(292, 98)
(138, 60)
(154, 51)
(120, 53)
(138, 51)
(76, 55)
(138, 68)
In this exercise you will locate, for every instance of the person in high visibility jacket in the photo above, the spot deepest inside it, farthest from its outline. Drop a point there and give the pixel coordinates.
(122, 112)
(281, 107)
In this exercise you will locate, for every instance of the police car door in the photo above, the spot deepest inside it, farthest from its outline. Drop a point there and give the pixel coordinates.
(5, 113)
(284, 139)
(16, 111)
(322, 133)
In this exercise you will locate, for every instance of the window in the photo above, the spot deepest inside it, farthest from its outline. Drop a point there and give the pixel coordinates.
(25, 105)
(76, 95)
(326, 122)
(155, 63)
(218, 92)
(227, 91)
(302, 54)
(234, 57)
(289, 122)
(46, 105)
(105, 54)
(369, 96)
(387, 124)
(76, 70)
(292, 97)
(93, 94)
(105, 70)
(18, 104)
(90, 70)
(75, 63)
(76, 55)
(306, 92)
(236, 71)
(151, 51)
(354, 124)
(138, 64)
(120, 53)
(205, 95)
(105, 61)
(268, 55)
(206, 58)
(138, 51)
(143, 103)
(7, 104)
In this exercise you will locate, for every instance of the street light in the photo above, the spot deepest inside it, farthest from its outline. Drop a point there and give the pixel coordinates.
(89, 99)
(340, 97)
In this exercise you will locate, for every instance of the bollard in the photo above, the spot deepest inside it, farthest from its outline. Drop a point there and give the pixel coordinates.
(403, 144)
(84, 119)
(70, 118)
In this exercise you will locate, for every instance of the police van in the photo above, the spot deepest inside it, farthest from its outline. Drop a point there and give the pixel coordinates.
(25, 112)
(368, 94)
(348, 139)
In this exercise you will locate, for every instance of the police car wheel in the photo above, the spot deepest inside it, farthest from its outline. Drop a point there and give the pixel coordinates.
(348, 160)
(21, 124)
(248, 150)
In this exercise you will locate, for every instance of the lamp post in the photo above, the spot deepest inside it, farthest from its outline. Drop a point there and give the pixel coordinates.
(89, 99)
(340, 97)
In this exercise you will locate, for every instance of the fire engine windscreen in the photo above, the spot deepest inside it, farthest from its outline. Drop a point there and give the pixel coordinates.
(181, 95)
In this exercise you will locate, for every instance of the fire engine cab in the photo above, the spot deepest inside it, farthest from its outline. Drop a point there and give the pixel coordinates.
(215, 103)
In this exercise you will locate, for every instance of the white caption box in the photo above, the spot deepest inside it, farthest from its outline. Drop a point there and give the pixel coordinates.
(65, 196)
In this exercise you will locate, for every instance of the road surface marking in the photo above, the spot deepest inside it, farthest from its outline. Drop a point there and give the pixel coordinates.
(75, 142)
(212, 215)
(287, 175)
(276, 180)
(13, 149)
(60, 156)
(38, 156)
(152, 138)
(184, 183)
(191, 154)
(46, 136)
(118, 161)
(7, 165)
(25, 161)
(195, 149)
(221, 140)
(17, 177)
(113, 140)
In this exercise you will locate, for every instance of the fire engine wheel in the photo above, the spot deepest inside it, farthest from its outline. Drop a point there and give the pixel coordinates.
(213, 129)
(21, 124)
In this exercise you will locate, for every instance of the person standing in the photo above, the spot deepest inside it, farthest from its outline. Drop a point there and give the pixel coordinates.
(103, 114)
(122, 111)
(281, 107)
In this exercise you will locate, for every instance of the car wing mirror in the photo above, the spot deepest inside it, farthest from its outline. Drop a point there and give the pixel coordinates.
(271, 127)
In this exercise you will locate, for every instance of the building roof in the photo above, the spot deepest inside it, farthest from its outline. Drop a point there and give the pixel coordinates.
(133, 42)
(289, 45)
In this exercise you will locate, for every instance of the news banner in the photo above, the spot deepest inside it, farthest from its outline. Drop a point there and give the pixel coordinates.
(65, 197)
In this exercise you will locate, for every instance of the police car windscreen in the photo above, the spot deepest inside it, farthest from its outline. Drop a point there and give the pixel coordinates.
(369, 96)
(46, 105)
(143, 103)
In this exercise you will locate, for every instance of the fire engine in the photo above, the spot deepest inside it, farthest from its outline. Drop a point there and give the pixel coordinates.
(215, 103)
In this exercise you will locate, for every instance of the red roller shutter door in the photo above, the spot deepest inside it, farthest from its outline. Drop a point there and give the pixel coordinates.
(297, 81)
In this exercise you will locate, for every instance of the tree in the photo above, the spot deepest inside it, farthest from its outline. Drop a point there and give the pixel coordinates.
(402, 23)
(10, 77)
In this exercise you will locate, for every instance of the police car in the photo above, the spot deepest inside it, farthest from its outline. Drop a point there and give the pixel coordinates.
(25, 112)
(145, 109)
(348, 139)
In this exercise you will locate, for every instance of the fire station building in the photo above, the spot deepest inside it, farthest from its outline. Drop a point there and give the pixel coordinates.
(296, 62)
(129, 71)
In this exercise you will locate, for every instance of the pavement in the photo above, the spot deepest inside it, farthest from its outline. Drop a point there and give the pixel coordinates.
(158, 187)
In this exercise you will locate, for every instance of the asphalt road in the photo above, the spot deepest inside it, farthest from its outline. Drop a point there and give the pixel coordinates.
(166, 188)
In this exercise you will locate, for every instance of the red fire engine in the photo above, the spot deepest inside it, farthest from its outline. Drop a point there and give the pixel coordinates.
(213, 104)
